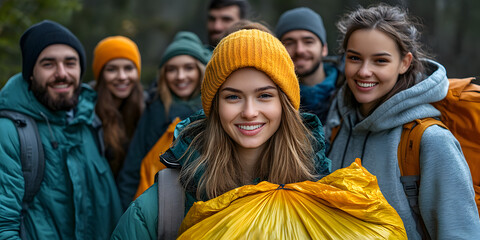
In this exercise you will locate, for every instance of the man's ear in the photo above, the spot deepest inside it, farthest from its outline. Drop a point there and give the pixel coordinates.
(324, 50)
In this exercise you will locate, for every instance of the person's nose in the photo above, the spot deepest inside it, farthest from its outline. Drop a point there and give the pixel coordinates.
(218, 25)
(300, 48)
(122, 75)
(250, 109)
(61, 72)
(365, 70)
(181, 74)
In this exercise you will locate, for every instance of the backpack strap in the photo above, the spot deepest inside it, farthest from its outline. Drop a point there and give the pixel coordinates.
(409, 146)
(409, 162)
(171, 203)
(334, 133)
(31, 156)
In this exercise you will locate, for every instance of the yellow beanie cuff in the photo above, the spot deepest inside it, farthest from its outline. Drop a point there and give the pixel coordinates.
(250, 48)
(115, 47)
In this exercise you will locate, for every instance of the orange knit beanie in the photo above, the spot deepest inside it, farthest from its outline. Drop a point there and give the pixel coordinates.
(250, 48)
(112, 48)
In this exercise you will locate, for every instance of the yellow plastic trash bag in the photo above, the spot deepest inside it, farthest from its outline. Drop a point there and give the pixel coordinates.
(151, 162)
(346, 204)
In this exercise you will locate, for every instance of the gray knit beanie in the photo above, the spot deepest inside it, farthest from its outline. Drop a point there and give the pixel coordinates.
(301, 19)
(41, 35)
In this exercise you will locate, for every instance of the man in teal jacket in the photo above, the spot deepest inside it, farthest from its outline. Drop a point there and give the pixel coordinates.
(77, 198)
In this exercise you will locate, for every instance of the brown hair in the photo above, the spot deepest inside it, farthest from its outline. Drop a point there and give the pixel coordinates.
(289, 155)
(402, 29)
(118, 123)
(246, 24)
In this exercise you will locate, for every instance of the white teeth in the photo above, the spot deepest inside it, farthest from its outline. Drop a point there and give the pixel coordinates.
(366, 85)
(60, 86)
(122, 86)
(249, 127)
(182, 85)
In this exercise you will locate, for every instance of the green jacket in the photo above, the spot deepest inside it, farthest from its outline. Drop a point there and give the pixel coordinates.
(140, 219)
(77, 197)
(151, 126)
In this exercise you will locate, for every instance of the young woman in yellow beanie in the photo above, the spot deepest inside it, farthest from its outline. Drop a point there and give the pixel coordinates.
(251, 130)
(180, 73)
(116, 68)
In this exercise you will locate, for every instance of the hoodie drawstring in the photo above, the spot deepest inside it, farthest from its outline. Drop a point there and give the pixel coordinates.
(365, 144)
(52, 138)
(346, 147)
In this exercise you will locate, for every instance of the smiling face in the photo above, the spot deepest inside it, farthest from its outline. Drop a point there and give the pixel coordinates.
(182, 75)
(120, 76)
(219, 20)
(305, 49)
(56, 77)
(249, 108)
(373, 64)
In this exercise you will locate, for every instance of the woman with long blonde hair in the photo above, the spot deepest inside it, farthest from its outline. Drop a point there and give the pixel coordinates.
(250, 130)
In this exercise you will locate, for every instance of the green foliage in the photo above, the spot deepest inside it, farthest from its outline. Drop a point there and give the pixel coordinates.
(16, 16)
(450, 27)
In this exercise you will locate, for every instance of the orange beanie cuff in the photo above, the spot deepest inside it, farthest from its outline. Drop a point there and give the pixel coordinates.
(112, 48)
(250, 48)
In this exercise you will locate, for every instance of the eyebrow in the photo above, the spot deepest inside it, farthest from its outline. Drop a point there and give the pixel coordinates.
(187, 64)
(301, 38)
(256, 90)
(53, 59)
(376, 54)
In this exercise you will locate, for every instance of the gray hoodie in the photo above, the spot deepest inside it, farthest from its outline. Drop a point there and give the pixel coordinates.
(446, 195)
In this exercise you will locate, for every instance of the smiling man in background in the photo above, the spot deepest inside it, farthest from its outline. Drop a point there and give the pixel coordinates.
(302, 33)
(222, 14)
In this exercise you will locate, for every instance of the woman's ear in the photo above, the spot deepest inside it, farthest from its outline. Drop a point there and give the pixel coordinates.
(406, 61)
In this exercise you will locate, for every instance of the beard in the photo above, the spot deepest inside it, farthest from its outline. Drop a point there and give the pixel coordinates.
(310, 71)
(62, 102)
(211, 41)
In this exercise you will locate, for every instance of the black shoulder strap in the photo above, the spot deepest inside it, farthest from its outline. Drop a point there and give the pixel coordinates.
(31, 156)
(171, 203)
(33, 162)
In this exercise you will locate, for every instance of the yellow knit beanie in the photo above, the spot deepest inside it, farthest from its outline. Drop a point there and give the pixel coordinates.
(112, 48)
(250, 48)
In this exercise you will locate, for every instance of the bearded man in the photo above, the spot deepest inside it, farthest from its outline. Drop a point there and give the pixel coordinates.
(302, 33)
(77, 198)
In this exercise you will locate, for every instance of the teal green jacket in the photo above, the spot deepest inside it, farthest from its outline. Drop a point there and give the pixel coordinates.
(78, 198)
(140, 219)
(151, 126)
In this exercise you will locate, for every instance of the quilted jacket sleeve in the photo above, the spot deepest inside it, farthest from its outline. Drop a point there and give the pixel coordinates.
(140, 219)
(11, 181)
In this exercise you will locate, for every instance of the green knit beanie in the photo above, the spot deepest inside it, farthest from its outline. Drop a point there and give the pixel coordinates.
(186, 43)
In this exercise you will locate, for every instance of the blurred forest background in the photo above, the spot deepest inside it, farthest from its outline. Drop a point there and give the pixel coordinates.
(450, 29)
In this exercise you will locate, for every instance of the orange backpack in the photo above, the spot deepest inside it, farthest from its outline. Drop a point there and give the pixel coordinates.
(151, 162)
(461, 115)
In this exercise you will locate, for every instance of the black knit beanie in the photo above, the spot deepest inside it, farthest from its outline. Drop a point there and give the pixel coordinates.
(301, 19)
(42, 35)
